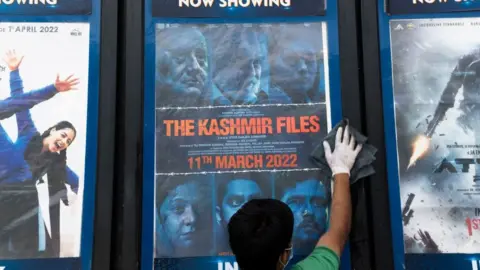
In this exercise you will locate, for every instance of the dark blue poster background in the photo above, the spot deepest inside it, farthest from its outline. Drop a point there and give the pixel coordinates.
(45, 7)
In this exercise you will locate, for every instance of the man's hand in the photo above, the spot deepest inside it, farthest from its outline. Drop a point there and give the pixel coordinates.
(344, 154)
(67, 84)
(12, 60)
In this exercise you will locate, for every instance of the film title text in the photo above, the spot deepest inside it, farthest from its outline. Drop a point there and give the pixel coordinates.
(242, 126)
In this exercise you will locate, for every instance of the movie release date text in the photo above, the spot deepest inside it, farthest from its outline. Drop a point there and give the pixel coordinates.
(229, 162)
(29, 28)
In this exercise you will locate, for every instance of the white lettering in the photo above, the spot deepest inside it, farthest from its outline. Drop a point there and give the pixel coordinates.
(256, 3)
(230, 3)
(208, 3)
(244, 3)
(475, 264)
(197, 4)
(428, 1)
(227, 266)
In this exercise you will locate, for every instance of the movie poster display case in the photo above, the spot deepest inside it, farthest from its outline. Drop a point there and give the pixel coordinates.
(236, 96)
(421, 77)
(54, 135)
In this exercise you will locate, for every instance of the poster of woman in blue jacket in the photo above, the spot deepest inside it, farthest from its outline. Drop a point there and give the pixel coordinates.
(33, 156)
(43, 105)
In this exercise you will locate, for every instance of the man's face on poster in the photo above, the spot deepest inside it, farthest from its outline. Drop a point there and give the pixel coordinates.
(185, 217)
(187, 55)
(239, 78)
(308, 202)
(237, 193)
(294, 66)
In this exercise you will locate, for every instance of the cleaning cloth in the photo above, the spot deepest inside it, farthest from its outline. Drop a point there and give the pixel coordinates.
(363, 164)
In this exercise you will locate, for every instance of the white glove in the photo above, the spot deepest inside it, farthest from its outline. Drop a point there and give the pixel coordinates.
(344, 154)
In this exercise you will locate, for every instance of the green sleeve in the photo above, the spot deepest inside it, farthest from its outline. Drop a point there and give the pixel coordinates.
(322, 258)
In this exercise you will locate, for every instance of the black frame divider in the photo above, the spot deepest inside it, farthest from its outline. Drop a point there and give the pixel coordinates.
(353, 108)
(377, 186)
(127, 211)
(106, 136)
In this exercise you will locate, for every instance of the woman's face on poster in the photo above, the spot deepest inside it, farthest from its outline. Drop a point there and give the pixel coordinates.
(184, 217)
(59, 140)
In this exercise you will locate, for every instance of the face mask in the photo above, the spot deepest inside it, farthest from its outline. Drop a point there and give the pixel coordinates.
(289, 257)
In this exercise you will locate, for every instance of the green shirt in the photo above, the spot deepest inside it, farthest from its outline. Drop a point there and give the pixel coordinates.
(322, 258)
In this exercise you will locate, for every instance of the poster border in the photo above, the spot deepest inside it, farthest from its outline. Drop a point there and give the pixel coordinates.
(331, 20)
(92, 128)
(399, 256)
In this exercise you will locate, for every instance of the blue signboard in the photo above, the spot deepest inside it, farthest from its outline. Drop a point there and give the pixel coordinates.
(430, 85)
(234, 103)
(431, 6)
(49, 84)
(237, 8)
(45, 7)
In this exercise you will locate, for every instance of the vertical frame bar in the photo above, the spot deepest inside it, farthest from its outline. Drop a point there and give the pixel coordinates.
(377, 187)
(128, 168)
(354, 109)
(106, 136)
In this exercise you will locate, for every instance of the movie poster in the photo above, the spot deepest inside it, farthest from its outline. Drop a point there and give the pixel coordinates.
(43, 116)
(239, 108)
(436, 82)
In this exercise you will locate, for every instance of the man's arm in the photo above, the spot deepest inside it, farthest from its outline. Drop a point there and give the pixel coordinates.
(327, 253)
(340, 217)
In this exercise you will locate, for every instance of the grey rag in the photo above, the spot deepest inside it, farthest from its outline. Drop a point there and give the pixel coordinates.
(363, 165)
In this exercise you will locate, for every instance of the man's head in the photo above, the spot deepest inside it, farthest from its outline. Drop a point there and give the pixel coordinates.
(184, 211)
(260, 234)
(234, 190)
(308, 199)
(182, 63)
(240, 60)
(294, 60)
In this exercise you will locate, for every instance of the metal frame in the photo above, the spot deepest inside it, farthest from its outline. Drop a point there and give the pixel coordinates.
(106, 134)
(354, 109)
(377, 187)
(129, 145)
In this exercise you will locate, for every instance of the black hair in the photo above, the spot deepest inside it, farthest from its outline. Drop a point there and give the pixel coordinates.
(260, 232)
(166, 184)
(52, 163)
